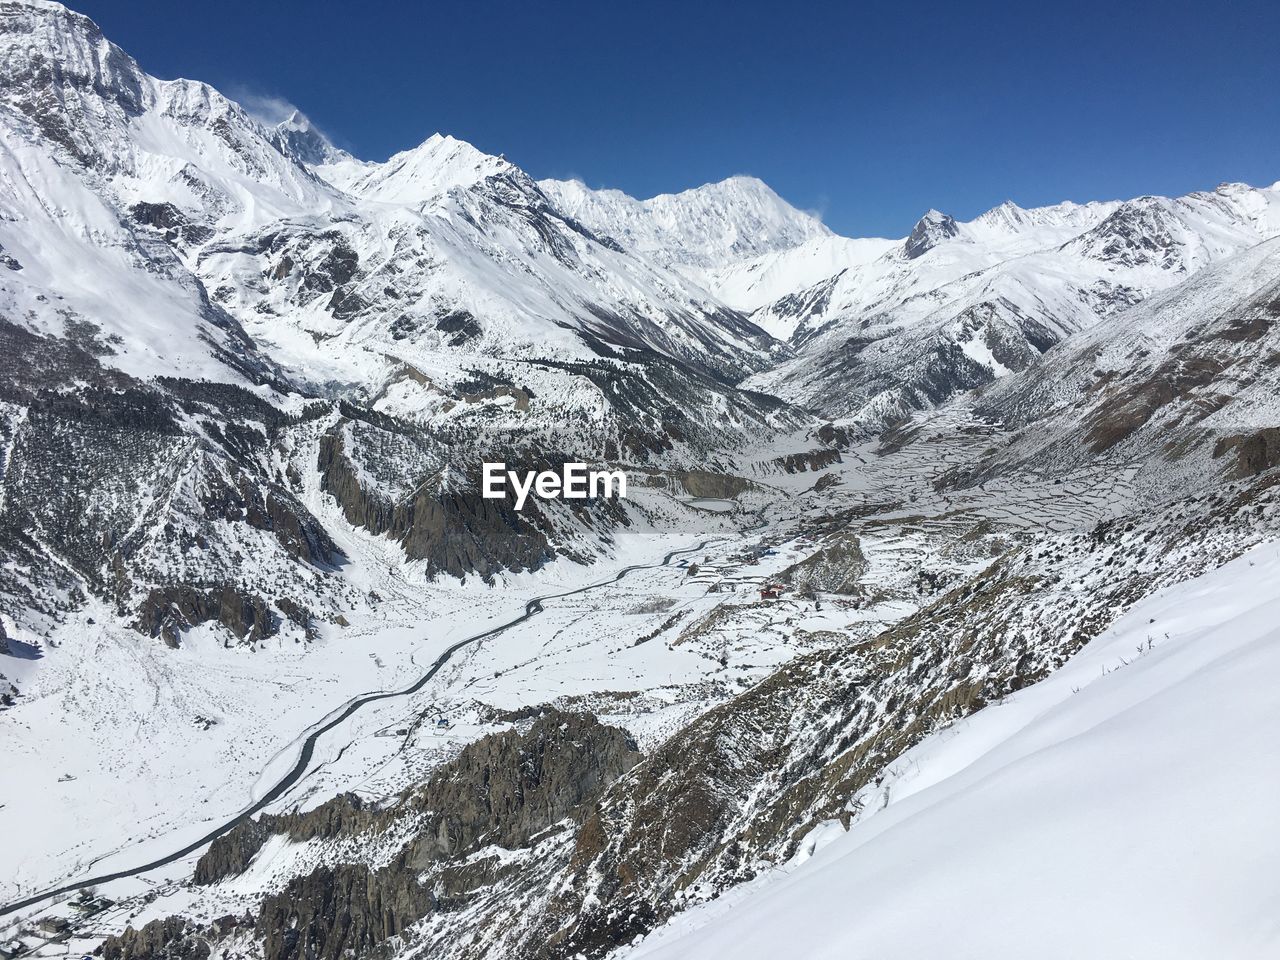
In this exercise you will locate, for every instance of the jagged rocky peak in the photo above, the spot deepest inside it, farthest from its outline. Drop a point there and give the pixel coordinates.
(58, 68)
(177, 141)
(929, 231)
(45, 43)
(299, 138)
(1145, 230)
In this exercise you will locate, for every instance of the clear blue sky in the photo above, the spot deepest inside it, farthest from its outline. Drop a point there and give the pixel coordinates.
(870, 113)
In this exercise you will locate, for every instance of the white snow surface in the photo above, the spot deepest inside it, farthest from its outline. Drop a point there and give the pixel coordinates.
(1123, 807)
(711, 225)
(413, 176)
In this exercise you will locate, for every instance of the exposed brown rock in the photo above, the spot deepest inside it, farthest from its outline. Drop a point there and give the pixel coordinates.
(169, 610)
(504, 789)
(835, 568)
(173, 938)
(716, 486)
(340, 912)
(812, 460)
(507, 787)
(1126, 411)
(456, 532)
(1254, 452)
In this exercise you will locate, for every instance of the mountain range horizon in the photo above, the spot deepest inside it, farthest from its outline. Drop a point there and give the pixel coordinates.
(875, 118)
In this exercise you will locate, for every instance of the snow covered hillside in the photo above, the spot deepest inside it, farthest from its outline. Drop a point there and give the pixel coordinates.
(1183, 384)
(710, 226)
(1124, 803)
(883, 331)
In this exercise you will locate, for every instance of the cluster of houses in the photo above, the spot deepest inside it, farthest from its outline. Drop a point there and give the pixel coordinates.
(52, 929)
(769, 590)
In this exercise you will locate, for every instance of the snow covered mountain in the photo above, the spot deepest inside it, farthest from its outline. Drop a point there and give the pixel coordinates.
(222, 346)
(709, 226)
(490, 255)
(884, 330)
(894, 502)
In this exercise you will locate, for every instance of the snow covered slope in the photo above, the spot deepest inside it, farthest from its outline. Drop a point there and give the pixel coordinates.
(957, 305)
(708, 226)
(97, 159)
(1121, 807)
(1183, 385)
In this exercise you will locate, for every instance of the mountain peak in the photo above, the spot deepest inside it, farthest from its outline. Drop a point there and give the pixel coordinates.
(1006, 214)
(738, 188)
(930, 230)
(734, 219)
(299, 138)
(435, 166)
(712, 225)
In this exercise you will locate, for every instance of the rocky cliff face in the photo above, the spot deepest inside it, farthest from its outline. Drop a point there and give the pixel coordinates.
(171, 938)
(502, 792)
(930, 230)
(455, 530)
(342, 911)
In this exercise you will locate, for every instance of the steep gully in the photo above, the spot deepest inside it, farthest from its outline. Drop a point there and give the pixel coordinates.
(299, 769)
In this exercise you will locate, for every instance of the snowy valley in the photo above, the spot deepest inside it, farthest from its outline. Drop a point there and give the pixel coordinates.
(945, 577)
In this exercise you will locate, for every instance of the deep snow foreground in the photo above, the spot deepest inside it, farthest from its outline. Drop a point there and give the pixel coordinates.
(1123, 807)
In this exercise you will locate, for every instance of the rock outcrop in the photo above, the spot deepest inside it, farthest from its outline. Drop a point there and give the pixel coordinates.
(457, 532)
(338, 912)
(172, 938)
(503, 791)
(835, 568)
